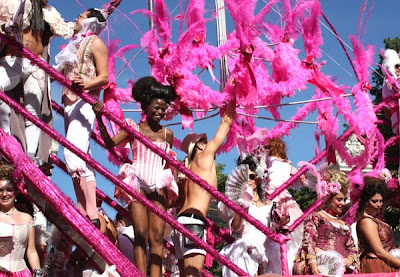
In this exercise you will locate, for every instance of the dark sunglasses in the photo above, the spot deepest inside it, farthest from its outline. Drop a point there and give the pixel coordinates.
(252, 176)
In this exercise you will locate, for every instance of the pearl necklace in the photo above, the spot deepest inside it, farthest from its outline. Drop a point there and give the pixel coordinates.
(10, 212)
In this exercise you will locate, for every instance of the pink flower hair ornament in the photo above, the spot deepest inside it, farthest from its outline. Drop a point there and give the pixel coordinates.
(324, 189)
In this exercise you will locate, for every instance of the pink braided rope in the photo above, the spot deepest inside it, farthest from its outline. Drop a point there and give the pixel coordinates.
(284, 261)
(224, 234)
(97, 138)
(144, 201)
(62, 205)
(60, 227)
(218, 195)
(304, 169)
(314, 206)
(100, 194)
(133, 133)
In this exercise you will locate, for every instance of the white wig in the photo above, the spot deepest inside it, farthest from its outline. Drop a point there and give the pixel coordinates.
(390, 59)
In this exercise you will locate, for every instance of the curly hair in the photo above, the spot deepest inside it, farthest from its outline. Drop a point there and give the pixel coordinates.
(148, 88)
(277, 148)
(372, 186)
(6, 171)
(334, 175)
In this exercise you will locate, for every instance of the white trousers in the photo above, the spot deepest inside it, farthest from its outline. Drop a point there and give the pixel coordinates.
(79, 119)
(13, 70)
(34, 88)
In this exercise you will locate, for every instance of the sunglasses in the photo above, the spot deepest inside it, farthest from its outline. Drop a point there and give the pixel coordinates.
(252, 176)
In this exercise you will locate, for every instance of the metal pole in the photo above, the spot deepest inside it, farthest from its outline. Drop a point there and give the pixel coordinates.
(221, 39)
(151, 9)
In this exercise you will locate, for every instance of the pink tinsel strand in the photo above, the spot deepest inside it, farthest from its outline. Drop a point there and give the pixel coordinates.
(284, 260)
(306, 213)
(96, 137)
(62, 205)
(144, 201)
(59, 225)
(100, 194)
(134, 134)
(225, 234)
(59, 77)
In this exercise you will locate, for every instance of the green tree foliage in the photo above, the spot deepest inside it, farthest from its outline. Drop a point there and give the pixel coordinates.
(221, 177)
(392, 215)
(213, 215)
(304, 197)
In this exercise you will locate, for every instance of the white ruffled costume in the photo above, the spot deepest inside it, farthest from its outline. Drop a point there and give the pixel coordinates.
(57, 24)
(251, 249)
(279, 171)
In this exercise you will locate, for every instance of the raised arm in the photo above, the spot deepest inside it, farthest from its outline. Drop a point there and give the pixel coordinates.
(226, 122)
(369, 229)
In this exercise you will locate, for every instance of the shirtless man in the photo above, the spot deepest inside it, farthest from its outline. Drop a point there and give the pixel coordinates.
(201, 157)
(40, 22)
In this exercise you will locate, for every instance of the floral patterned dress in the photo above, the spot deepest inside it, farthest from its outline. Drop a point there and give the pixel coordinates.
(319, 232)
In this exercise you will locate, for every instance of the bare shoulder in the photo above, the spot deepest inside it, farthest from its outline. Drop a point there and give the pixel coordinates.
(169, 137)
(25, 217)
(170, 133)
(367, 223)
(98, 43)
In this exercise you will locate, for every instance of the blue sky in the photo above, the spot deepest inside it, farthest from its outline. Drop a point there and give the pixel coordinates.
(344, 15)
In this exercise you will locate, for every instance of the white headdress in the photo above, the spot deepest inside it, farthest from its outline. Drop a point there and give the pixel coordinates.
(390, 59)
(67, 56)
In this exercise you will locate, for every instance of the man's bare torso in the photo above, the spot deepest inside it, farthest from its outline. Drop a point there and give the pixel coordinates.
(34, 43)
(197, 200)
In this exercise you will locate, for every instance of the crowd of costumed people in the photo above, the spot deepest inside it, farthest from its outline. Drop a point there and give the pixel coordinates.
(162, 226)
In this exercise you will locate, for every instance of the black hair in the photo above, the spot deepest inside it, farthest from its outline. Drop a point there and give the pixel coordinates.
(249, 160)
(148, 88)
(119, 217)
(96, 13)
(23, 204)
(37, 23)
(372, 186)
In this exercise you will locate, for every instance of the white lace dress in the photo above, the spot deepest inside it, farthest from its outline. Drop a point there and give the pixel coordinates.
(249, 251)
